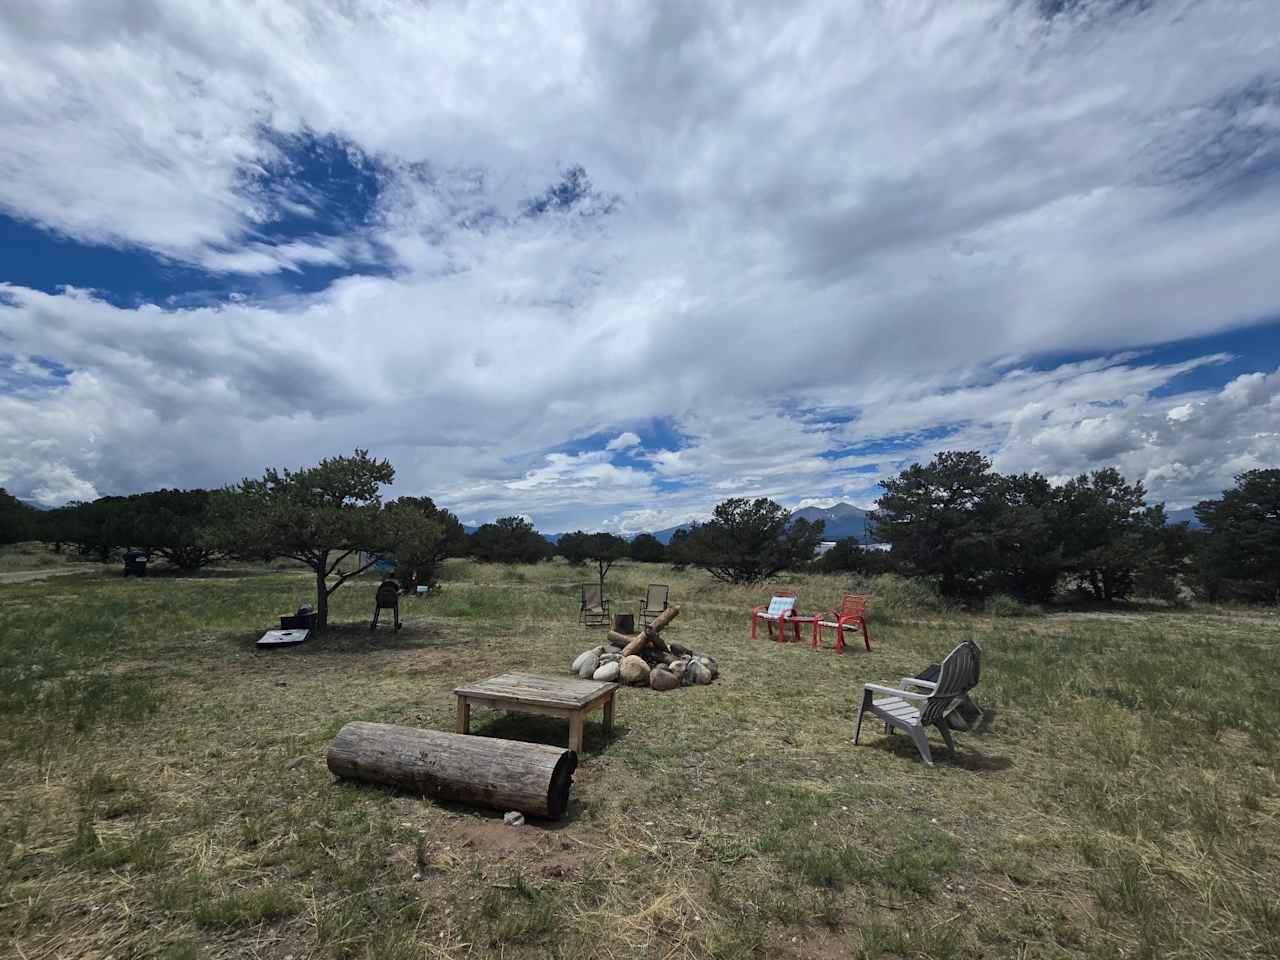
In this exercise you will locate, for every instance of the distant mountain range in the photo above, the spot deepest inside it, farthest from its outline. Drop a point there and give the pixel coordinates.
(842, 520)
(839, 521)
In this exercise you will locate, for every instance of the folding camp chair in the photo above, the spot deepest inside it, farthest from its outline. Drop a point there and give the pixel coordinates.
(654, 602)
(593, 609)
(387, 598)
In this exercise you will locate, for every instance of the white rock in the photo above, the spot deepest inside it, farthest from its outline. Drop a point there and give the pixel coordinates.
(514, 819)
(608, 671)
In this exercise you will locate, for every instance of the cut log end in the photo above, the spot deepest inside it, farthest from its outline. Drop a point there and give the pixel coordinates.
(561, 781)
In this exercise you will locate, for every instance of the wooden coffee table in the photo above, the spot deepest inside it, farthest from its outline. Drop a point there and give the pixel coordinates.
(572, 699)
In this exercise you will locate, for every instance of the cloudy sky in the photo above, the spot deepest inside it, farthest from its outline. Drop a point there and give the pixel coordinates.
(607, 264)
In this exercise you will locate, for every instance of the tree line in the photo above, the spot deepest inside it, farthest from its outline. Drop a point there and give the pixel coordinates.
(975, 533)
(956, 521)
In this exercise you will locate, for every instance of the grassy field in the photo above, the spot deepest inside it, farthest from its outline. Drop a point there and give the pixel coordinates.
(164, 792)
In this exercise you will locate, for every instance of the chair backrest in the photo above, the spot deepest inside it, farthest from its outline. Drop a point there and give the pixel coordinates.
(388, 593)
(590, 595)
(782, 603)
(853, 606)
(957, 675)
(656, 599)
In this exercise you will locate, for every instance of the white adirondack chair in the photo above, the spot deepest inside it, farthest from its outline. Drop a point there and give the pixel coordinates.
(914, 711)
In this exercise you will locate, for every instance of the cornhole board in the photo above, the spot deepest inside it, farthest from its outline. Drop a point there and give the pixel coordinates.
(283, 638)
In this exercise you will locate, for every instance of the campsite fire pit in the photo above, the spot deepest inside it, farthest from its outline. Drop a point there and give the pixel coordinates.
(646, 659)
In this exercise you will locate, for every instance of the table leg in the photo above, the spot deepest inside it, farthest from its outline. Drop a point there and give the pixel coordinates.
(464, 715)
(575, 731)
(608, 716)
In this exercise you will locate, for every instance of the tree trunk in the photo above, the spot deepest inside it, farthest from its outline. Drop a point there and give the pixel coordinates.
(322, 597)
(503, 774)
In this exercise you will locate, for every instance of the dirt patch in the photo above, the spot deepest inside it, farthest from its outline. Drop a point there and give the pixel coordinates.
(536, 848)
(497, 849)
(809, 943)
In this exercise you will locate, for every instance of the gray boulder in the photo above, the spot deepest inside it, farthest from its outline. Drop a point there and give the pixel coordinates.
(608, 671)
(582, 658)
(710, 664)
(589, 665)
(661, 678)
(698, 672)
(634, 670)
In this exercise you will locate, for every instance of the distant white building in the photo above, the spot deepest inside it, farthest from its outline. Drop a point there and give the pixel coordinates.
(826, 545)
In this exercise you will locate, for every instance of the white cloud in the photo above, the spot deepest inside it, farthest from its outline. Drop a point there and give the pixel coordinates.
(623, 441)
(834, 223)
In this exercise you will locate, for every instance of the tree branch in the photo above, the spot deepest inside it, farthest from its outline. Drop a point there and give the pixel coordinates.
(333, 566)
(343, 579)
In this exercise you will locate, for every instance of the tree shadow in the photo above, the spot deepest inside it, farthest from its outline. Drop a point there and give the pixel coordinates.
(356, 639)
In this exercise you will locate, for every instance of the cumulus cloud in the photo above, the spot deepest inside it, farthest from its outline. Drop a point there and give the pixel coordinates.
(623, 441)
(817, 241)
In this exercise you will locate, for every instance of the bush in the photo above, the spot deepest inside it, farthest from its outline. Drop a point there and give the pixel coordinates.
(891, 594)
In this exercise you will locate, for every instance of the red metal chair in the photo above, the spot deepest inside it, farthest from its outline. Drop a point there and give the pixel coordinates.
(782, 611)
(780, 606)
(852, 613)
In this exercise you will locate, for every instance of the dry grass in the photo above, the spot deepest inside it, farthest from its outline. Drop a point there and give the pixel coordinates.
(165, 795)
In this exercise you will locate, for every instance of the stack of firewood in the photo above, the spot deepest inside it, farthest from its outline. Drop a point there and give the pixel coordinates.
(646, 659)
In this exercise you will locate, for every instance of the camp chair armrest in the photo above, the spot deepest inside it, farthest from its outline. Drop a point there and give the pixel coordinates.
(911, 694)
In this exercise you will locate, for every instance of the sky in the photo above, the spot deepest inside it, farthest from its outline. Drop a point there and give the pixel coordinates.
(605, 265)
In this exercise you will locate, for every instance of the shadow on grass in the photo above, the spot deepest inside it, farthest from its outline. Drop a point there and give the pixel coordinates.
(964, 758)
(490, 817)
(549, 730)
(356, 639)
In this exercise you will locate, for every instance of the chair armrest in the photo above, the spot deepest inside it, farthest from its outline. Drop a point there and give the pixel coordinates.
(917, 682)
(910, 694)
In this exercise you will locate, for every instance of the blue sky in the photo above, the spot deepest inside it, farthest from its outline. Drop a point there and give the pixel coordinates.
(607, 268)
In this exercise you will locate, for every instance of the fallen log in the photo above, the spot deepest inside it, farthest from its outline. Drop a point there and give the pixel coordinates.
(485, 771)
